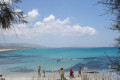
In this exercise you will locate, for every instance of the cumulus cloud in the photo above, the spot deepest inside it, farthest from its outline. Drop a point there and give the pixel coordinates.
(33, 14)
(52, 26)
(50, 18)
(61, 27)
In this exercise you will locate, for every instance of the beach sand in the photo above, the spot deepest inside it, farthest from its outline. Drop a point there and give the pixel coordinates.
(1, 50)
(56, 76)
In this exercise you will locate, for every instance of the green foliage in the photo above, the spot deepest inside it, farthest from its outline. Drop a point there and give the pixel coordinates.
(113, 8)
(8, 15)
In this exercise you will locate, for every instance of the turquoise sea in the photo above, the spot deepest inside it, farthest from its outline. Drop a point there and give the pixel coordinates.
(27, 60)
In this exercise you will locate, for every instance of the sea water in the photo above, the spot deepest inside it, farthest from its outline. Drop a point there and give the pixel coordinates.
(28, 60)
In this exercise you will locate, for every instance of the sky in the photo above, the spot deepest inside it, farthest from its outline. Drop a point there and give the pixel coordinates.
(62, 23)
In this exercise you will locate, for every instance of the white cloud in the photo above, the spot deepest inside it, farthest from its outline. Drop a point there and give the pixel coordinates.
(50, 18)
(51, 26)
(33, 14)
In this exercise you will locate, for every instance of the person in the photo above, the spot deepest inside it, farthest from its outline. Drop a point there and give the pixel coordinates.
(1, 78)
(85, 69)
(58, 60)
(79, 72)
(62, 74)
(39, 71)
(71, 73)
(43, 73)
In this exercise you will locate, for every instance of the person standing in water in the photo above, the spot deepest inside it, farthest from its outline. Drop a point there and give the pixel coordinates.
(39, 71)
(62, 74)
(71, 73)
(79, 72)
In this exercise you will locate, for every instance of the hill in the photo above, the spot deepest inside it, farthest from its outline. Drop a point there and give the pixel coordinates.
(19, 45)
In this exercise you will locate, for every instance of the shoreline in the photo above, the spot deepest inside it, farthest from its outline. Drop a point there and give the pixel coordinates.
(56, 76)
(35, 74)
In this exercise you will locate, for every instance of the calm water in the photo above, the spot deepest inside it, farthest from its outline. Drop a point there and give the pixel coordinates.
(27, 60)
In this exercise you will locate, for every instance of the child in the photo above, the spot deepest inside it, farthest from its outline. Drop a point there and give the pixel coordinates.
(43, 73)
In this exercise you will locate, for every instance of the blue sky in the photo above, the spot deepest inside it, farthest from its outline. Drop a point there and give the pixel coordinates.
(62, 23)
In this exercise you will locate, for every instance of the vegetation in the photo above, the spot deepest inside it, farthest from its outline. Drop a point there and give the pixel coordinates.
(9, 15)
(113, 8)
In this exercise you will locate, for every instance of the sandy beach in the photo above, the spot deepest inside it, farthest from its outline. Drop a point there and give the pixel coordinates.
(1, 50)
(56, 76)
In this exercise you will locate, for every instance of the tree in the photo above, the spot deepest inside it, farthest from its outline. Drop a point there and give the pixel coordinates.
(8, 15)
(113, 8)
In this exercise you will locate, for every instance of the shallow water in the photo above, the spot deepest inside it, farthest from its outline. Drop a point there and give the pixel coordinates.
(27, 60)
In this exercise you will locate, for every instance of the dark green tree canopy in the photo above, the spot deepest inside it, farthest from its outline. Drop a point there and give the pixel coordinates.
(8, 15)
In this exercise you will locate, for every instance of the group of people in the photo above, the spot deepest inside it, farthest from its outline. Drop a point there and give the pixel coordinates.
(71, 73)
(40, 70)
(61, 73)
(58, 60)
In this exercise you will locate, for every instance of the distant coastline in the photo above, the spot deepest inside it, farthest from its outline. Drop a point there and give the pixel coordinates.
(36, 46)
(78, 47)
(2, 50)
